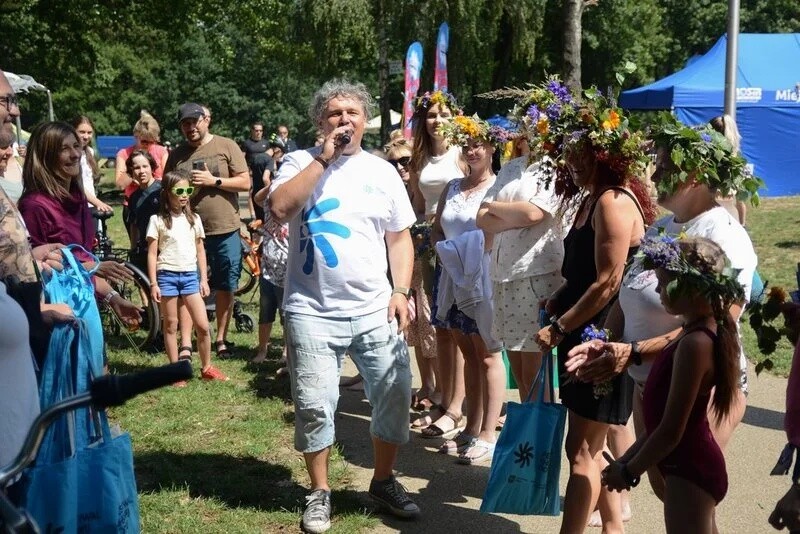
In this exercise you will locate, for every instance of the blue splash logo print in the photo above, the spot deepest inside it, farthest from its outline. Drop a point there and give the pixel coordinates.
(312, 234)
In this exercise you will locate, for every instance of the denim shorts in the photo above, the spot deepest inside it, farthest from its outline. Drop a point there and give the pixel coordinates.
(316, 348)
(270, 301)
(224, 253)
(174, 283)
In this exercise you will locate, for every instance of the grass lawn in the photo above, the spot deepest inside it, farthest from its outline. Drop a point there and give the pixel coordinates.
(218, 457)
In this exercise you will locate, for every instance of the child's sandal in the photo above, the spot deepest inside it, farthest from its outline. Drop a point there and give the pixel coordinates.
(185, 349)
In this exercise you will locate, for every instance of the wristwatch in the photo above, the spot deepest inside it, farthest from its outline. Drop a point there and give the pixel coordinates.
(636, 355)
(405, 291)
(218, 183)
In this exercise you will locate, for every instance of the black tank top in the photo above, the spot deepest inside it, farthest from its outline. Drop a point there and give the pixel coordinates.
(579, 268)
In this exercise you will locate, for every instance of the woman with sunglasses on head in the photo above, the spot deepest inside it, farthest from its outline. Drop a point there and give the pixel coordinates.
(175, 254)
(147, 133)
(434, 163)
(420, 333)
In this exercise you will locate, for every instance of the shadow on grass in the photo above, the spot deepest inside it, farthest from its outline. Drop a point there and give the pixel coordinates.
(788, 244)
(763, 418)
(267, 384)
(236, 481)
(121, 367)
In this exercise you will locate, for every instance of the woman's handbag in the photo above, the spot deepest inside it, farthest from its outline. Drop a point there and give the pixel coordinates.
(83, 479)
(524, 478)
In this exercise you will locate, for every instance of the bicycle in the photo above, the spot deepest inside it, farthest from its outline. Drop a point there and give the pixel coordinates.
(146, 335)
(251, 260)
(104, 392)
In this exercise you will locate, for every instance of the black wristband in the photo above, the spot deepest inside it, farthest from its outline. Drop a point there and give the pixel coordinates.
(631, 480)
(322, 162)
(557, 327)
(636, 355)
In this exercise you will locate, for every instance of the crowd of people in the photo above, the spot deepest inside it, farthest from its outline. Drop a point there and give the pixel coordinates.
(557, 247)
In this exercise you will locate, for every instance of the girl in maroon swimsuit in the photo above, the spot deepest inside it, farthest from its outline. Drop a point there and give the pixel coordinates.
(695, 281)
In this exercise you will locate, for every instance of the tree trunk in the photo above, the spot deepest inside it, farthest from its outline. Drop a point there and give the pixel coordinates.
(573, 12)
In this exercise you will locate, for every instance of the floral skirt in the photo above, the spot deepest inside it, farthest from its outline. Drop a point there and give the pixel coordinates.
(455, 317)
(420, 333)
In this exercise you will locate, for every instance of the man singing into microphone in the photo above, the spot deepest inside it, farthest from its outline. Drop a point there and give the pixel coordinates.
(346, 208)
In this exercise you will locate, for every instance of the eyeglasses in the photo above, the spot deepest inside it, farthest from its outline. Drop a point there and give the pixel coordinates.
(183, 191)
(9, 100)
(404, 161)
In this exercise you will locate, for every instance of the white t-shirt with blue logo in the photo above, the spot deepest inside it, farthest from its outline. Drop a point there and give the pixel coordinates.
(337, 254)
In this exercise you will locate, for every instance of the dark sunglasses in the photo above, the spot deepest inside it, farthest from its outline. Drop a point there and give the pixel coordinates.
(404, 161)
(180, 191)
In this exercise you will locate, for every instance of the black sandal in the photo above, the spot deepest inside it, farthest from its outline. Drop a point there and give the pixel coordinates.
(185, 348)
(223, 353)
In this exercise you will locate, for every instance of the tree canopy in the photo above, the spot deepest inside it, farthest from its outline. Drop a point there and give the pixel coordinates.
(263, 59)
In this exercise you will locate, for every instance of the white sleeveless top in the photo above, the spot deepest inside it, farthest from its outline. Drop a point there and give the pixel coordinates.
(460, 211)
(436, 175)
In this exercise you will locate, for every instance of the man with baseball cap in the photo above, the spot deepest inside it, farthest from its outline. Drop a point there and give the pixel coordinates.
(219, 173)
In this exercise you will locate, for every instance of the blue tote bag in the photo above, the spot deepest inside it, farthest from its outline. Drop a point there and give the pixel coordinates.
(83, 479)
(526, 466)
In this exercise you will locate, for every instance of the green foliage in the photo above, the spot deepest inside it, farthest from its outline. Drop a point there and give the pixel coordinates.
(263, 59)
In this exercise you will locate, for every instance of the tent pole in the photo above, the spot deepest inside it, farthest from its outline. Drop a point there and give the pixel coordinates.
(732, 58)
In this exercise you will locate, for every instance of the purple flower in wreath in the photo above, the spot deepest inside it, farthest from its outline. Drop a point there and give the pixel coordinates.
(662, 251)
(553, 111)
(560, 92)
(706, 137)
(534, 113)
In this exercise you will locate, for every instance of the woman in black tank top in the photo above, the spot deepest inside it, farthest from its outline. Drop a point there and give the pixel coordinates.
(613, 210)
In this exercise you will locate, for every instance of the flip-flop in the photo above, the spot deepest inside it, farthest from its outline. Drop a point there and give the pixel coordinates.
(185, 348)
(485, 455)
(432, 431)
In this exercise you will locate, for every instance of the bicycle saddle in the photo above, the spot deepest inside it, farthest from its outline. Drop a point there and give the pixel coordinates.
(101, 215)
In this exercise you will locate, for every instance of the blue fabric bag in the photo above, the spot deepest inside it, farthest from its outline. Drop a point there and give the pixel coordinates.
(73, 286)
(526, 466)
(83, 479)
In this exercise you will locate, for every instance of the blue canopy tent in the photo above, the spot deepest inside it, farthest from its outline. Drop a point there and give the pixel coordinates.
(767, 102)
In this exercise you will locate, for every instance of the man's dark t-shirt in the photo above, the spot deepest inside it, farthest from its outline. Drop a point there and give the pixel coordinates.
(252, 148)
(260, 164)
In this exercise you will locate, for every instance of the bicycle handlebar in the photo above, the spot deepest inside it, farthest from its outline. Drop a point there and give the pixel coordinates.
(109, 390)
(115, 390)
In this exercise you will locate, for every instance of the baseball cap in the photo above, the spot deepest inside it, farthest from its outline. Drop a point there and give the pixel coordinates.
(190, 110)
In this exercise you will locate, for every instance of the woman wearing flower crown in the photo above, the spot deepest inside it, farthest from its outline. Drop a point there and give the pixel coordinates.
(692, 167)
(696, 283)
(433, 164)
(598, 181)
(520, 212)
(462, 293)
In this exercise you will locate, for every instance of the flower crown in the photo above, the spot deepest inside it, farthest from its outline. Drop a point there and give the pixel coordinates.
(443, 98)
(720, 289)
(705, 154)
(546, 112)
(606, 129)
(462, 128)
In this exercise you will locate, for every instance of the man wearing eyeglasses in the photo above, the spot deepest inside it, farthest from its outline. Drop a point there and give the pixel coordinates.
(219, 172)
(9, 111)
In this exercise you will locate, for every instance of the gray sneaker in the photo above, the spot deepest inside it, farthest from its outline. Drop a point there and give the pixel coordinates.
(393, 496)
(317, 516)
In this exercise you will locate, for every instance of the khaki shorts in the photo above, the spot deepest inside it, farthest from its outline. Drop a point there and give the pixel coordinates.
(516, 309)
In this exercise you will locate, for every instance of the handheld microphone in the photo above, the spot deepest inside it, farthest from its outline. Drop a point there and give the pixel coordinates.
(344, 139)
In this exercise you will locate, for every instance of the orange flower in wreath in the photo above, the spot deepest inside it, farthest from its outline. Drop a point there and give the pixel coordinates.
(612, 122)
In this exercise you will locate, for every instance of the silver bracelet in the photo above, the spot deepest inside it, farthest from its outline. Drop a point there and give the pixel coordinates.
(109, 296)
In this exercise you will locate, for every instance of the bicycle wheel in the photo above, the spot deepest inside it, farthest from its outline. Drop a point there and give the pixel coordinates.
(247, 280)
(136, 291)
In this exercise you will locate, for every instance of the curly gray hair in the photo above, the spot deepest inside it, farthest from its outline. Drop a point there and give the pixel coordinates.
(340, 88)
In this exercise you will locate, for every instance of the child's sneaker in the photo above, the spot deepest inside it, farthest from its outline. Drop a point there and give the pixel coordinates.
(212, 373)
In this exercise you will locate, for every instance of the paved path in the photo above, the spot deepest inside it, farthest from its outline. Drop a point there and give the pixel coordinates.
(450, 494)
